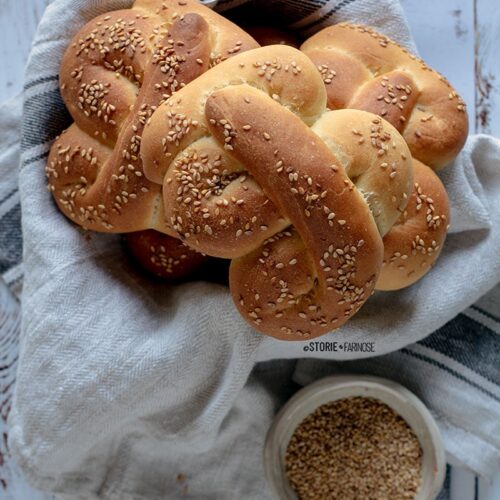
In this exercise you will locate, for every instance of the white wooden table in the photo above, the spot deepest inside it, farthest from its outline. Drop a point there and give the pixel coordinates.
(457, 37)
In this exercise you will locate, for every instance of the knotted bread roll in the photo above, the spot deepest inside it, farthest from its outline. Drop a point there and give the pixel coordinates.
(116, 71)
(254, 168)
(363, 69)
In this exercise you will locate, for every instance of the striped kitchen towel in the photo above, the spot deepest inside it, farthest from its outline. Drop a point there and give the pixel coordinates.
(106, 403)
(10, 208)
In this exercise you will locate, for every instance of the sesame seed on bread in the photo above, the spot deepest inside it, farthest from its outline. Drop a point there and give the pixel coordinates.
(364, 69)
(255, 168)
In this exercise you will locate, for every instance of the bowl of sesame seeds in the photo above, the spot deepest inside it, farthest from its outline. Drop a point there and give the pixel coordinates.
(354, 437)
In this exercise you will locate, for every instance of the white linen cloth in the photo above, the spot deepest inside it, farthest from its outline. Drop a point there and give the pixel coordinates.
(122, 382)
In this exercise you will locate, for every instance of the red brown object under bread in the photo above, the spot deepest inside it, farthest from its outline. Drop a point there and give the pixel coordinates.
(414, 243)
(162, 255)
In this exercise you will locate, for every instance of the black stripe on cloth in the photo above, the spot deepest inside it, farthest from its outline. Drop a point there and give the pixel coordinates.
(444, 494)
(327, 15)
(8, 195)
(11, 244)
(35, 158)
(39, 81)
(486, 313)
(44, 117)
(319, 3)
(470, 343)
(304, 3)
(301, 9)
(309, 4)
(449, 370)
(15, 281)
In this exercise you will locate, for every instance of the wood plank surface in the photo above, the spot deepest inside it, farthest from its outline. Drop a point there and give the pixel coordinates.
(487, 66)
(444, 32)
(18, 22)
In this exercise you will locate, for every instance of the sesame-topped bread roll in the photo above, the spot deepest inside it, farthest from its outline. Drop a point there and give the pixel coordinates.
(255, 168)
(363, 69)
(163, 256)
(414, 243)
(116, 71)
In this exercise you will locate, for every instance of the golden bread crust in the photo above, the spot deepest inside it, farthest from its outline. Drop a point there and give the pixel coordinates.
(116, 71)
(254, 168)
(162, 255)
(414, 243)
(363, 69)
(318, 297)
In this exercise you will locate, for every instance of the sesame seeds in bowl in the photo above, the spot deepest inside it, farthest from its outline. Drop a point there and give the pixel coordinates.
(353, 437)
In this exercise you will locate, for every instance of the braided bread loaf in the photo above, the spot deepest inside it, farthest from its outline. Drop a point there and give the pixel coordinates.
(254, 168)
(306, 241)
(363, 69)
